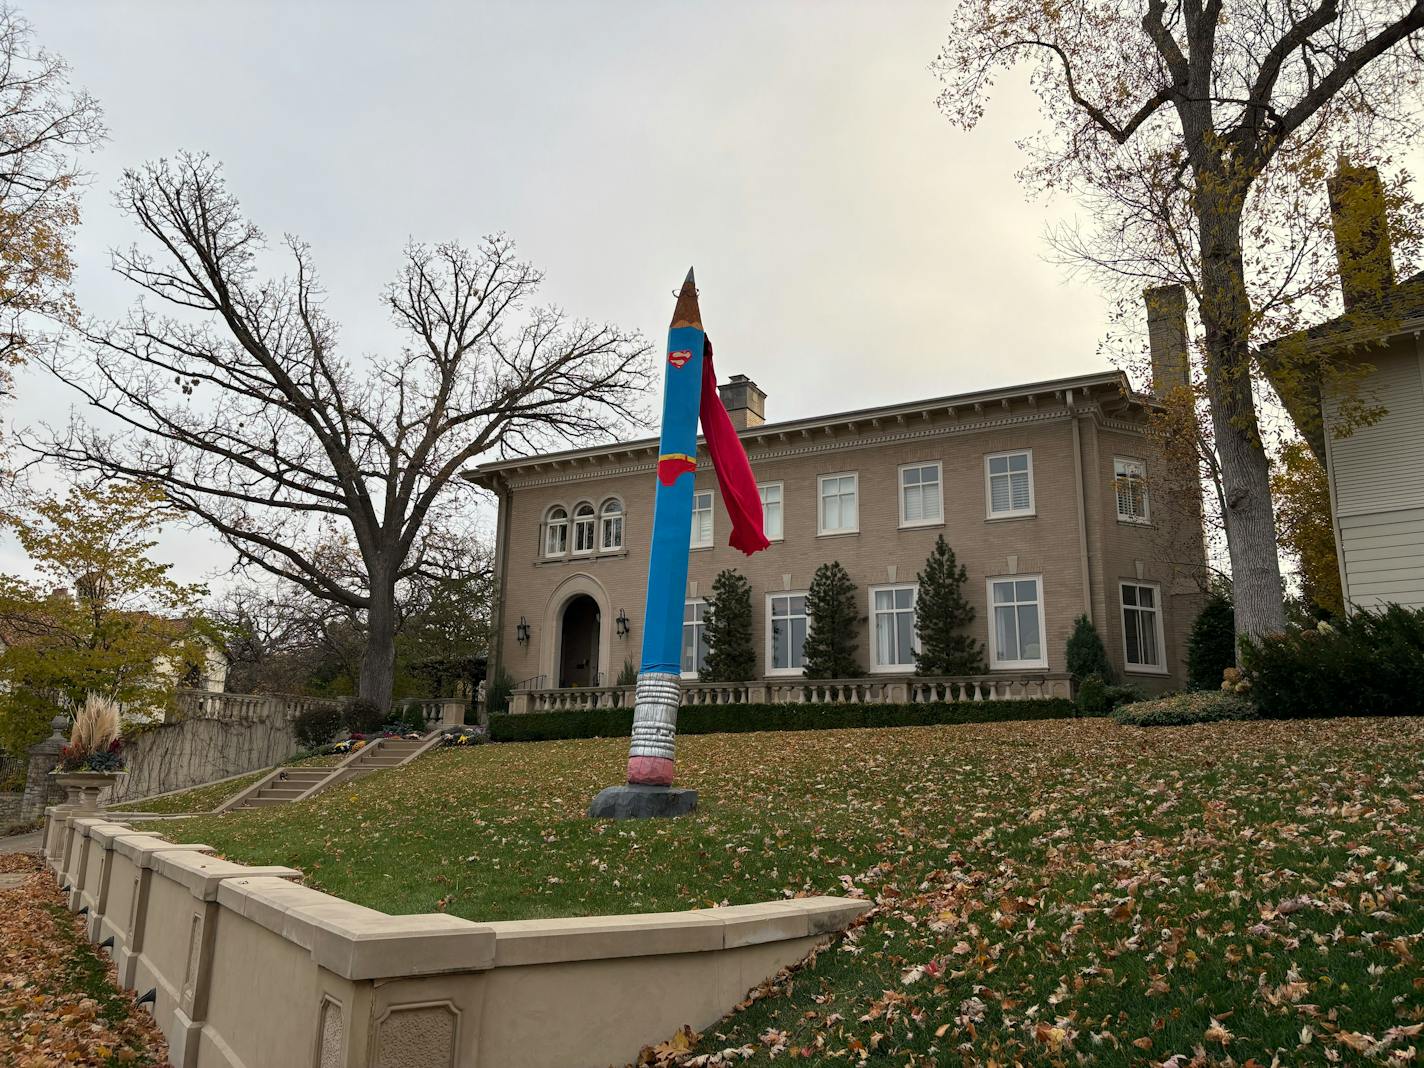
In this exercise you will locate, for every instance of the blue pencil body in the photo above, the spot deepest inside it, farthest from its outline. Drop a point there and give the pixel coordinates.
(672, 504)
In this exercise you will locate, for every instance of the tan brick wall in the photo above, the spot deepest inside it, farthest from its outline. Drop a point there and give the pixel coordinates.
(1045, 544)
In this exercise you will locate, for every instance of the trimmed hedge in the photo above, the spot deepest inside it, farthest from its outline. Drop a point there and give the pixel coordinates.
(737, 719)
(1180, 709)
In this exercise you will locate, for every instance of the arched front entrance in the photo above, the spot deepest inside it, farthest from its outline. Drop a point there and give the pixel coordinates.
(579, 633)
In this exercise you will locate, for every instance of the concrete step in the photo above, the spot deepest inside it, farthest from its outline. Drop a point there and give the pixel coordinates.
(258, 802)
(381, 761)
(285, 793)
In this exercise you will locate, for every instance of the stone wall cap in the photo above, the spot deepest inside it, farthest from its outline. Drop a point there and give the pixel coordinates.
(81, 820)
(203, 874)
(356, 942)
(698, 930)
(140, 847)
(111, 832)
(101, 828)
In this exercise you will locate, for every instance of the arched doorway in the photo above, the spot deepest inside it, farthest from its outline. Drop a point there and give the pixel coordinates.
(578, 642)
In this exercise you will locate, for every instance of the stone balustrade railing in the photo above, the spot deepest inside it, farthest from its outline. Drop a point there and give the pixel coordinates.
(205, 704)
(873, 690)
(437, 711)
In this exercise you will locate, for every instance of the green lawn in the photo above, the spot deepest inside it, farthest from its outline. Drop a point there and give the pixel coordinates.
(206, 798)
(1046, 892)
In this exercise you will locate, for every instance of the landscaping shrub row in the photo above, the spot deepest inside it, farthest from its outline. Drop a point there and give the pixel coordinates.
(732, 719)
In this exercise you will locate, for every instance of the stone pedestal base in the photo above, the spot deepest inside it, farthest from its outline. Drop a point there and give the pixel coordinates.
(642, 802)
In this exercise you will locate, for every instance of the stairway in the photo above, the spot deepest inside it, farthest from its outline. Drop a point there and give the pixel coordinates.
(285, 785)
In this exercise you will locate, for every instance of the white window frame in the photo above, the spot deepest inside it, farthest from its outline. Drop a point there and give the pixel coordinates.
(1141, 465)
(605, 517)
(1010, 512)
(995, 663)
(694, 542)
(1129, 666)
(875, 666)
(696, 626)
(762, 487)
(550, 523)
(771, 669)
(821, 529)
(938, 520)
(590, 520)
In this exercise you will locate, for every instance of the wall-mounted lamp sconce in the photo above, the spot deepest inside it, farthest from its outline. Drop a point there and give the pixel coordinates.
(623, 624)
(521, 631)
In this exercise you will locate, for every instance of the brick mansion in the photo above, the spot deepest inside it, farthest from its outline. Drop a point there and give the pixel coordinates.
(1052, 494)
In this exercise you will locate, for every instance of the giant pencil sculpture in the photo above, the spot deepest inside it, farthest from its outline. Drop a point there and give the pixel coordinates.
(689, 392)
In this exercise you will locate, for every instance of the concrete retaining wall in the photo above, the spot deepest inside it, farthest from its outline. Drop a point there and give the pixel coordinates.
(251, 970)
(201, 749)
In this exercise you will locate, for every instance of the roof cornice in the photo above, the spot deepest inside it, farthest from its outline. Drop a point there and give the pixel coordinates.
(967, 411)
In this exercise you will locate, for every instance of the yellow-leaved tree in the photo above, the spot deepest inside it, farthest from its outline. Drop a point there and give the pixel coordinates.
(1301, 490)
(100, 616)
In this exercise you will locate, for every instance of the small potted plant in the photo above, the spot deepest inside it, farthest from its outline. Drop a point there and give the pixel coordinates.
(94, 759)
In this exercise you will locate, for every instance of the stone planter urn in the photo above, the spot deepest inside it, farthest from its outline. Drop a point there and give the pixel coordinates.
(82, 788)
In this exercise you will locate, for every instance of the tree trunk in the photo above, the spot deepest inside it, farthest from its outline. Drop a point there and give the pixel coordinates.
(1245, 469)
(378, 664)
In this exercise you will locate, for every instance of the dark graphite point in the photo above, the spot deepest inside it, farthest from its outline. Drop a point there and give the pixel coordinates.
(632, 802)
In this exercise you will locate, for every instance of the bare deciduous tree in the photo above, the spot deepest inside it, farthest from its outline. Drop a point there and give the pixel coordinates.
(1200, 134)
(333, 474)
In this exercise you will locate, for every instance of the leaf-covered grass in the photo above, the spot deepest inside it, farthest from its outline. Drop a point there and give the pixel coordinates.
(206, 798)
(1045, 892)
(58, 1001)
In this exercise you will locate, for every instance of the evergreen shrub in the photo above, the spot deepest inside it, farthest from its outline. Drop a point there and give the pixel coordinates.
(1086, 654)
(942, 615)
(1211, 645)
(731, 656)
(1093, 696)
(314, 727)
(1370, 664)
(832, 623)
(498, 691)
(737, 719)
(362, 716)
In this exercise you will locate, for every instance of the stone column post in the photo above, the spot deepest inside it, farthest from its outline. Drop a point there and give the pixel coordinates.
(40, 788)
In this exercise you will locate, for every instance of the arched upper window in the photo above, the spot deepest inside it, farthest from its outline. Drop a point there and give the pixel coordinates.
(583, 528)
(610, 527)
(556, 531)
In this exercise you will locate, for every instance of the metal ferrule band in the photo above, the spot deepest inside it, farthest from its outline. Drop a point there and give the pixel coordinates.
(656, 700)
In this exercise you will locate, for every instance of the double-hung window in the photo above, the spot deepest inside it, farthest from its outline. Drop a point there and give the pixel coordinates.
(892, 615)
(556, 531)
(1142, 627)
(772, 496)
(840, 508)
(1010, 483)
(1130, 481)
(921, 497)
(583, 528)
(1016, 630)
(702, 519)
(610, 536)
(786, 633)
(694, 637)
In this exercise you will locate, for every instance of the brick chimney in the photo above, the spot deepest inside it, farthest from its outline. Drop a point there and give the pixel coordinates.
(1167, 337)
(1357, 217)
(745, 403)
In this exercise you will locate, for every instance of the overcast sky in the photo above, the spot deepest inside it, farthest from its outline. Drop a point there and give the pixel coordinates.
(851, 247)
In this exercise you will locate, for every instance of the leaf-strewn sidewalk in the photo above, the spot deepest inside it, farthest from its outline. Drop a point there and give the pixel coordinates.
(58, 1002)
